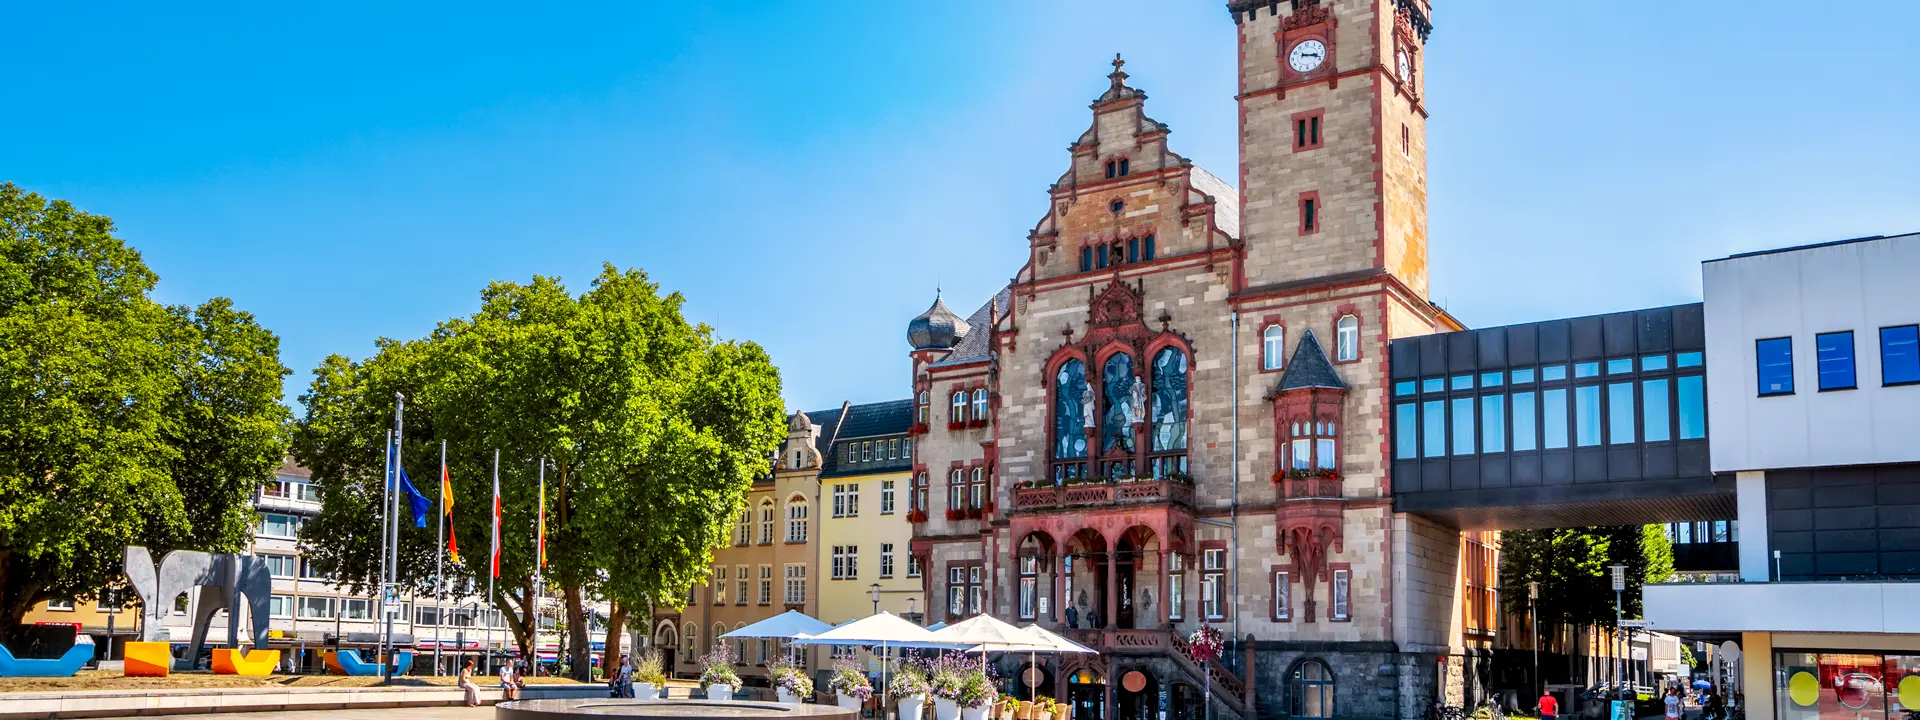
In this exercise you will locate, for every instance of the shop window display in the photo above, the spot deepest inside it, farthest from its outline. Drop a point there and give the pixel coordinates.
(1854, 686)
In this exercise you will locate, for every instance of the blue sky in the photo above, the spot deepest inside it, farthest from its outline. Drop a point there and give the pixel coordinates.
(807, 172)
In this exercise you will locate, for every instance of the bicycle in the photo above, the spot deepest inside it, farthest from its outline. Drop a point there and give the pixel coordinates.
(1490, 709)
(1439, 711)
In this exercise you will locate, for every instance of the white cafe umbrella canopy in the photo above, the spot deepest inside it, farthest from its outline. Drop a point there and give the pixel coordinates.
(787, 625)
(883, 629)
(1060, 644)
(984, 633)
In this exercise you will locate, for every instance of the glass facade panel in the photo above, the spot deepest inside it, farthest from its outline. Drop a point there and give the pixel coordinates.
(1619, 366)
(1655, 424)
(1693, 407)
(1653, 362)
(1433, 435)
(1586, 369)
(1406, 433)
(1849, 685)
(1900, 355)
(1523, 422)
(1463, 382)
(1620, 415)
(1433, 385)
(1553, 417)
(1586, 415)
(1774, 360)
(1493, 423)
(1463, 426)
(1492, 379)
(1523, 376)
(1405, 387)
(1551, 373)
(1833, 356)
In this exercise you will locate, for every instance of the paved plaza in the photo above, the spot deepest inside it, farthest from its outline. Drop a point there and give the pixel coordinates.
(426, 713)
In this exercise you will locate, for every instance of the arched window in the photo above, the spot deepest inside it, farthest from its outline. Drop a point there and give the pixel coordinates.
(743, 528)
(1070, 420)
(959, 408)
(1169, 410)
(796, 520)
(926, 406)
(1116, 423)
(718, 630)
(980, 404)
(1311, 688)
(689, 642)
(1346, 334)
(1273, 344)
(766, 521)
(740, 645)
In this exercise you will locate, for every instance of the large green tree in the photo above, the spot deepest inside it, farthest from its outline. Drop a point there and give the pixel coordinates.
(1572, 567)
(651, 432)
(122, 421)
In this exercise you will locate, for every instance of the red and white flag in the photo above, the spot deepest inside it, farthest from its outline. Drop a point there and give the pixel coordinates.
(496, 525)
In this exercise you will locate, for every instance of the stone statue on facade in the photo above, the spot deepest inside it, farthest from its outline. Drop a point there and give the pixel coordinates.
(1137, 397)
(1086, 403)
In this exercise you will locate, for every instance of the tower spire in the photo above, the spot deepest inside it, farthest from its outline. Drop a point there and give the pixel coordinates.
(1119, 89)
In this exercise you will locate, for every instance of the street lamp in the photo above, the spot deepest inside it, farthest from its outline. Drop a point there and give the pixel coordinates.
(913, 612)
(1619, 587)
(874, 592)
(1533, 616)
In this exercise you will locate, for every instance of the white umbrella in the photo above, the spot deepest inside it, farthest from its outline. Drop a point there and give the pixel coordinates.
(883, 629)
(983, 634)
(1060, 645)
(786, 626)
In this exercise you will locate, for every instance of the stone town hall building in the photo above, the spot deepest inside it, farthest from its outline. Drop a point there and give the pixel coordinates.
(1177, 410)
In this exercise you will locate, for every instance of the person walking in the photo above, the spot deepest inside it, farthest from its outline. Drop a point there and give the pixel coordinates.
(1674, 707)
(1549, 706)
(467, 686)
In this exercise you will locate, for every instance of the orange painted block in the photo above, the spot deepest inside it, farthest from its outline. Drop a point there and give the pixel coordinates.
(148, 659)
(332, 660)
(259, 663)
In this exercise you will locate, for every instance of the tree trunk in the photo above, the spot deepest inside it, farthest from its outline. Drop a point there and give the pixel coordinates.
(616, 631)
(581, 652)
(521, 623)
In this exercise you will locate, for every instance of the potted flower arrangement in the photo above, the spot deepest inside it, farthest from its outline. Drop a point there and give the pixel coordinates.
(1043, 708)
(916, 516)
(718, 676)
(790, 682)
(976, 695)
(945, 679)
(1206, 645)
(909, 684)
(849, 684)
(649, 675)
(956, 514)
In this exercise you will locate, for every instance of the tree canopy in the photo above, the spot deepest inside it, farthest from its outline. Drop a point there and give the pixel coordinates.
(652, 432)
(1571, 565)
(122, 421)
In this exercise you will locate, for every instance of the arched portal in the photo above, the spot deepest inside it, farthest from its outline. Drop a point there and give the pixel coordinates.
(1086, 580)
(1139, 695)
(1036, 569)
(1138, 566)
(1087, 693)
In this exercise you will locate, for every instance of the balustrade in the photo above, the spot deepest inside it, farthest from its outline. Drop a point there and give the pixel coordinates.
(1102, 493)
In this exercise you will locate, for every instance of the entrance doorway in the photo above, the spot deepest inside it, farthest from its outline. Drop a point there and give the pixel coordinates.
(1087, 693)
(1139, 696)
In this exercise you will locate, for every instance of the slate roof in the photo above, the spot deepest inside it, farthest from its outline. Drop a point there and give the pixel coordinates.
(1226, 207)
(1309, 367)
(888, 419)
(975, 346)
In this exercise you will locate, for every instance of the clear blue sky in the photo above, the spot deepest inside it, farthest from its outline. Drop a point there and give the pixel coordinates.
(806, 172)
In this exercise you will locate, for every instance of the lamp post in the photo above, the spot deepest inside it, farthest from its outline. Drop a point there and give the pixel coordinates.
(913, 609)
(1619, 588)
(874, 592)
(1533, 617)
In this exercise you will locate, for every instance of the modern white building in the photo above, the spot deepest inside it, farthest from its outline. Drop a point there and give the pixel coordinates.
(1814, 403)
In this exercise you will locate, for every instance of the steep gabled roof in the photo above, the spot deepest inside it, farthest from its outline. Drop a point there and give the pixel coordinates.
(882, 419)
(1309, 367)
(1226, 201)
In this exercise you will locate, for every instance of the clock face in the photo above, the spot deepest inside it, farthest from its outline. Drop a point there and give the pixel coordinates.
(1406, 65)
(1307, 55)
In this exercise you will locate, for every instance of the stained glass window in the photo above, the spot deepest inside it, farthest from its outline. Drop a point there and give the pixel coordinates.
(1069, 420)
(1169, 400)
(1116, 424)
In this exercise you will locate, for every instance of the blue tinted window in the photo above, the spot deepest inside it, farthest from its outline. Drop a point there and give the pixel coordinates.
(1523, 375)
(1433, 385)
(1100, 258)
(1653, 362)
(1133, 249)
(1553, 419)
(1617, 366)
(1523, 420)
(1406, 433)
(1086, 259)
(1463, 426)
(1492, 379)
(1620, 415)
(1404, 387)
(1833, 356)
(1655, 423)
(1463, 382)
(1493, 423)
(1553, 372)
(1586, 369)
(1690, 359)
(1586, 415)
(1433, 431)
(1148, 253)
(1693, 407)
(1774, 360)
(1900, 355)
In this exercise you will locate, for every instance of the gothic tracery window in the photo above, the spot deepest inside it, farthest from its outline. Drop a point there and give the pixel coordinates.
(1169, 411)
(1116, 424)
(1069, 418)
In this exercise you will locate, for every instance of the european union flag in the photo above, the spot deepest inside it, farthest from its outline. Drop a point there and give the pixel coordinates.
(419, 502)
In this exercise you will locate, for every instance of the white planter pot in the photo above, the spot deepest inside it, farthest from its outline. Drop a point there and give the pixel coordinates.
(944, 709)
(848, 702)
(719, 692)
(643, 691)
(911, 705)
(1043, 715)
(975, 713)
(787, 697)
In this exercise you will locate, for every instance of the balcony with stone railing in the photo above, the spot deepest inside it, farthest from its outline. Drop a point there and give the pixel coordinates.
(1099, 492)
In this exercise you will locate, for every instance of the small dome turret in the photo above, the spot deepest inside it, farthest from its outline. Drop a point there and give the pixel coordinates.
(936, 329)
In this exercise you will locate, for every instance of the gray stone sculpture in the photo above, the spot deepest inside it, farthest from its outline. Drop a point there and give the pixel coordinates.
(1086, 403)
(221, 578)
(1137, 401)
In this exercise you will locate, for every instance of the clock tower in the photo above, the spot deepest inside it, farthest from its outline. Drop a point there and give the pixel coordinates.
(1333, 140)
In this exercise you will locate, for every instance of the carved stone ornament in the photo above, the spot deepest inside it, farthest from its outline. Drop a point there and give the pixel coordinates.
(1117, 305)
(1308, 15)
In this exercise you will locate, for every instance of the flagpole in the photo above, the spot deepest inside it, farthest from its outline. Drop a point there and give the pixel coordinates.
(493, 558)
(539, 568)
(439, 553)
(393, 549)
(373, 602)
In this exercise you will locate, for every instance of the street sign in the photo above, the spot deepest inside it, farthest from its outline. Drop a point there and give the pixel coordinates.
(1636, 623)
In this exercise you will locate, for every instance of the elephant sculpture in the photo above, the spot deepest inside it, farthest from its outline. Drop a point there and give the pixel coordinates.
(222, 579)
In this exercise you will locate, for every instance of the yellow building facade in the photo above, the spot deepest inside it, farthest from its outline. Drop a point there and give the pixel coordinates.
(864, 534)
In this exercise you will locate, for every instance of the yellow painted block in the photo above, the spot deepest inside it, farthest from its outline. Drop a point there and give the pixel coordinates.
(259, 663)
(148, 659)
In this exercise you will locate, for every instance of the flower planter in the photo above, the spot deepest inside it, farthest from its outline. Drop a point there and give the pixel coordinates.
(787, 698)
(975, 713)
(911, 705)
(944, 709)
(719, 692)
(849, 702)
(644, 691)
(1043, 715)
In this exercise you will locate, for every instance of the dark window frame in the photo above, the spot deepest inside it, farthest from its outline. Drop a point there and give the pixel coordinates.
(1853, 362)
(1882, 334)
(1759, 381)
